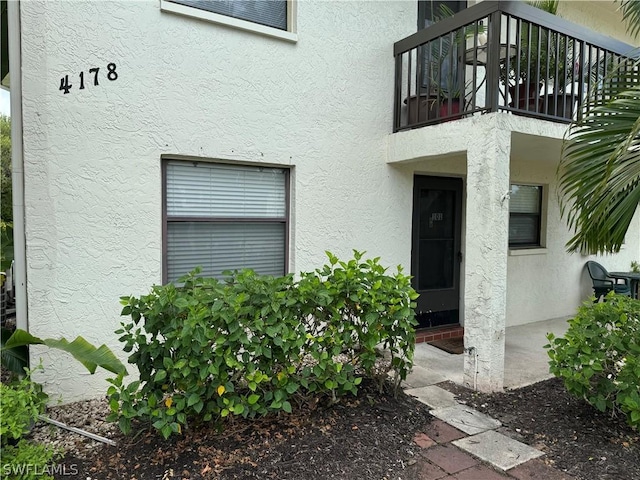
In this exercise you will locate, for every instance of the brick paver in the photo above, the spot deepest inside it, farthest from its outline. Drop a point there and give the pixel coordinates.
(442, 432)
(482, 472)
(429, 471)
(441, 460)
(423, 440)
(536, 469)
(451, 459)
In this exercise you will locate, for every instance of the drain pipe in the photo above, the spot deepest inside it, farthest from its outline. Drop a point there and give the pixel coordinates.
(473, 351)
(17, 163)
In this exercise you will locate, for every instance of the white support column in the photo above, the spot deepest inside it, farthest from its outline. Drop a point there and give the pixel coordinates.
(17, 164)
(487, 238)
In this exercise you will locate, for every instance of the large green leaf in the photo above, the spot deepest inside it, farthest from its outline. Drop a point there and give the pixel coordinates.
(13, 359)
(83, 351)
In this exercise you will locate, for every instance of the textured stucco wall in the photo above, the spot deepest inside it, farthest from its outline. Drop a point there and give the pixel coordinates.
(322, 105)
(552, 283)
(602, 16)
(500, 289)
(485, 268)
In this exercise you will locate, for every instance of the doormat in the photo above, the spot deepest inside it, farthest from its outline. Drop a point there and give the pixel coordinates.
(450, 345)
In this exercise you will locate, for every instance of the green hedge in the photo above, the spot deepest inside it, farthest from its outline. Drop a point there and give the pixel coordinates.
(20, 404)
(599, 357)
(251, 344)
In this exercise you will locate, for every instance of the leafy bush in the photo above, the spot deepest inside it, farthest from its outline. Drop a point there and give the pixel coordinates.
(599, 357)
(253, 344)
(353, 307)
(28, 461)
(21, 402)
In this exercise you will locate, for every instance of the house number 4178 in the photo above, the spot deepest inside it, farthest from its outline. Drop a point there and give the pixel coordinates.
(93, 75)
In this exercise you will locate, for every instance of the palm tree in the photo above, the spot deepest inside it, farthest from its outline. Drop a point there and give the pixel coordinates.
(599, 172)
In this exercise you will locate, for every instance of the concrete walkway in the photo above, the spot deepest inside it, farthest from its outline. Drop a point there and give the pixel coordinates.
(526, 360)
(463, 443)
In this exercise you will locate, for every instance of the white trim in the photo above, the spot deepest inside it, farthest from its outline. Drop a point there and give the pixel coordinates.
(17, 165)
(527, 251)
(290, 36)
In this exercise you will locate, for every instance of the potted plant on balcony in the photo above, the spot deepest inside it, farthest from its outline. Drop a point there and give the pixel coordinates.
(540, 62)
(449, 94)
(443, 72)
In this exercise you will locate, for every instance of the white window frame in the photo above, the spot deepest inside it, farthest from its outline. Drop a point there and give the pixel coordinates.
(290, 35)
(166, 219)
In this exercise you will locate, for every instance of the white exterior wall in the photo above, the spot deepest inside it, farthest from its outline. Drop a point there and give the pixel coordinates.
(322, 105)
(503, 287)
(551, 283)
(601, 16)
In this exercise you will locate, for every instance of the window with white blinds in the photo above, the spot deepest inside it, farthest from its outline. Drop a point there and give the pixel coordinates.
(272, 13)
(525, 206)
(224, 217)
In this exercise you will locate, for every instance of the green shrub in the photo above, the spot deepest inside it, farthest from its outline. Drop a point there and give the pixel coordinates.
(599, 357)
(353, 307)
(28, 461)
(253, 344)
(20, 404)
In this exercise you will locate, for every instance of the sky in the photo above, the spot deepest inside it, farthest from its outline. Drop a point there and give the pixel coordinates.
(4, 102)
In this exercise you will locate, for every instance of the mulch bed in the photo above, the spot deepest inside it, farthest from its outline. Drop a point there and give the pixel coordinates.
(369, 437)
(575, 436)
(364, 437)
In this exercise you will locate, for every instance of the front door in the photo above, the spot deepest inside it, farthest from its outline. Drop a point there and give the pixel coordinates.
(436, 253)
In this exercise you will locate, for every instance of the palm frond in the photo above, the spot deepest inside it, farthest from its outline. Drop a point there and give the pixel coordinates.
(631, 14)
(599, 173)
(550, 6)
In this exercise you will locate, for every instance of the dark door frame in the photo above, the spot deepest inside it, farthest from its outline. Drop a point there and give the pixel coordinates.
(445, 299)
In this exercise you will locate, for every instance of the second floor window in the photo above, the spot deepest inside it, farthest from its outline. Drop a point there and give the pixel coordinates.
(429, 10)
(272, 13)
(439, 68)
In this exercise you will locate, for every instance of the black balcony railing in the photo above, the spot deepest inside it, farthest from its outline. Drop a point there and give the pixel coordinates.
(500, 56)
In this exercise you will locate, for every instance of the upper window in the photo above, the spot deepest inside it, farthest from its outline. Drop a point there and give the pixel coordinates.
(439, 71)
(429, 10)
(272, 13)
(525, 216)
(224, 217)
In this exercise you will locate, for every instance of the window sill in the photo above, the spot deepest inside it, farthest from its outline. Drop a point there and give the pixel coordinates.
(167, 6)
(516, 252)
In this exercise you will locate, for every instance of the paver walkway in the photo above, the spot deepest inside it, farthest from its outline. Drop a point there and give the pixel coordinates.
(462, 443)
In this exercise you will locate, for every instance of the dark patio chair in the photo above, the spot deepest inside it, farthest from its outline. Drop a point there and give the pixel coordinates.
(603, 283)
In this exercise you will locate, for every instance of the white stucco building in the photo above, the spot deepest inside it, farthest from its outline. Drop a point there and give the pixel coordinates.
(157, 135)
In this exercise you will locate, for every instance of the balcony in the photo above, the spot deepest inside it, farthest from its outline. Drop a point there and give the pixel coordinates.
(500, 56)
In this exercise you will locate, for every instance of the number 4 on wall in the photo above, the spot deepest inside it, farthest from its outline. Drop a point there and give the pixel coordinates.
(65, 86)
